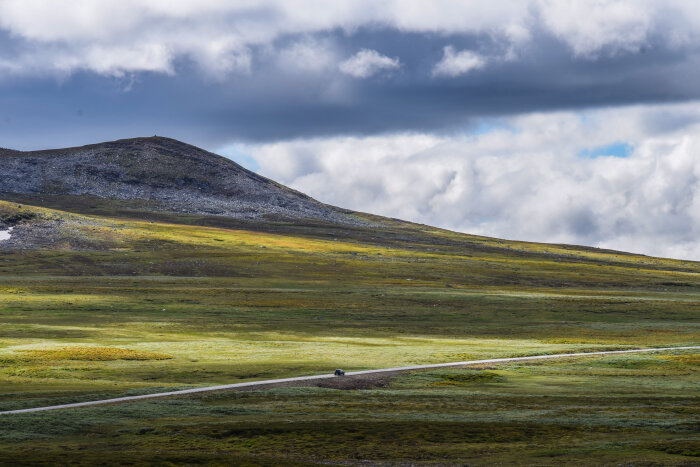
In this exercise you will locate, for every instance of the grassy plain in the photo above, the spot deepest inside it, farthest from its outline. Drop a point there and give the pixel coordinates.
(631, 410)
(125, 303)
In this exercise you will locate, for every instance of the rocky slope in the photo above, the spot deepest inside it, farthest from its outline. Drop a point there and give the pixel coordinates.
(169, 175)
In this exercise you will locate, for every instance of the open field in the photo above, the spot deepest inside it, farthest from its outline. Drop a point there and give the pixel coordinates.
(350, 379)
(574, 412)
(102, 306)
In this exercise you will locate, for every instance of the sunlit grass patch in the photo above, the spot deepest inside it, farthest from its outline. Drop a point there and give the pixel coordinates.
(94, 354)
(573, 340)
(690, 359)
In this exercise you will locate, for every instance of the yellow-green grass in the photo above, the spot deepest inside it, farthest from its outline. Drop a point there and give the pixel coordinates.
(117, 305)
(91, 354)
(230, 304)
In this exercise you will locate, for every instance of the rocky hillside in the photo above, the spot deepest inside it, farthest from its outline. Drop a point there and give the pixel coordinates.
(169, 175)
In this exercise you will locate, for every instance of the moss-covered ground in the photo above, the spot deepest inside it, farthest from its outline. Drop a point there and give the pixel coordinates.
(126, 304)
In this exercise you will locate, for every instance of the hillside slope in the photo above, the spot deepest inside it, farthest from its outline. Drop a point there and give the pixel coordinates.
(158, 174)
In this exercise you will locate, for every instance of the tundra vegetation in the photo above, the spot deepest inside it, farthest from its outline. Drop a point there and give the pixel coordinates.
(101, 299)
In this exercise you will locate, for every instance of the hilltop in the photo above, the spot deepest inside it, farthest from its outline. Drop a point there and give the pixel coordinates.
(155, 174)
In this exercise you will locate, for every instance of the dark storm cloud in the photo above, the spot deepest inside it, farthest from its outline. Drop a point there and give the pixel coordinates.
(273, 101)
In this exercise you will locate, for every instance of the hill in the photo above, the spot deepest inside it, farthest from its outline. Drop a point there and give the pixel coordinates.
(157, 174)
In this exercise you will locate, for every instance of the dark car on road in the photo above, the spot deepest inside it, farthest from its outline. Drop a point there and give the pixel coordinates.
(339, 372)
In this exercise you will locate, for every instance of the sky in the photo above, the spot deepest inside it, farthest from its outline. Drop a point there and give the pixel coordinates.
(570, 121)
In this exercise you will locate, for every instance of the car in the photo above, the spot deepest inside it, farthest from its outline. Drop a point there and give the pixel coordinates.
(339, 372)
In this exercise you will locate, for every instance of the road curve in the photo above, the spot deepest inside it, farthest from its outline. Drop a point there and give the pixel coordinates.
(328, 376)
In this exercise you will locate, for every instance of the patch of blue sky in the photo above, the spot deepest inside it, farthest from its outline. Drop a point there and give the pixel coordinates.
(617, 149)
(235, 154)
(588, 117)
(485, 127)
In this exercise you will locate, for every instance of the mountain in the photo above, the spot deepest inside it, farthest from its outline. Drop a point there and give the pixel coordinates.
(157, 174)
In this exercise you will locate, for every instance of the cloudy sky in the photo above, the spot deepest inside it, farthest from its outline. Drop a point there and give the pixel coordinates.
(572, 121)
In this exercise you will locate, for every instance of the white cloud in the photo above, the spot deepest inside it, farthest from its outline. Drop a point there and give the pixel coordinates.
(366, 63)
(307, 55)
(222, 56)
(219, 34)
(589, 26)
(522, 180)
(458, 63)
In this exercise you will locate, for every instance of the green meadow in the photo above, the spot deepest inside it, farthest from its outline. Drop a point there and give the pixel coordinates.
(118, 301)
(630, 410)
